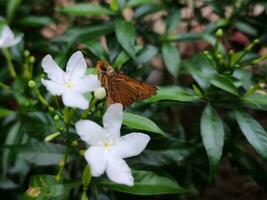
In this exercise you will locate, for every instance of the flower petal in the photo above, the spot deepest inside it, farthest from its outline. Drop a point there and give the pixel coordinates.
(76, 66)
(131, 144)
(118, 171)
(7, 34)
(53, 87)
(86, 84)
(54, 72)
(14, 41)
(112, 120)
(89, 131)
(96, 158)
(75, 100)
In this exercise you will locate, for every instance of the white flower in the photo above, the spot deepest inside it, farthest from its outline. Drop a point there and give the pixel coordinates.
(72, 83)
(7, 38)
(107, 149)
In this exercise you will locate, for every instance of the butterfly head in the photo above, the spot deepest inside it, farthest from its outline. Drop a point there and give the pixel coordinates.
(103, 68)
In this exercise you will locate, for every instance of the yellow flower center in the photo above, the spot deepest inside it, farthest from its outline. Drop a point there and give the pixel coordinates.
(68, 85)
(107, 145)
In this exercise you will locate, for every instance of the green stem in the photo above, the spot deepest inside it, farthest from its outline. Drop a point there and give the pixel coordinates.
(87, 111)
(42, 99)
(10, 66)
(4, 86)
(67, 118)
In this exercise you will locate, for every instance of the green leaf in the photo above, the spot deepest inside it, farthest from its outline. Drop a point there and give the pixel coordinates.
(125, 33)
(122, 58)
(253, 131)
(173, 93)
(161, 157)
(78, 34)
(212, 133)
(172, 20)
(35, 21)
(171, 57)
(85, 9)
(5, 112)
(246, 28)
(12, 7)
(134, 3)
(145, 54)
(251, 166)
(141, 123)
(183, 37)
(224, 83)
(97, 49)
(46, 187)
(12, 138)
(147, 183)
(86, 177)
(256, 99)
(41, 153)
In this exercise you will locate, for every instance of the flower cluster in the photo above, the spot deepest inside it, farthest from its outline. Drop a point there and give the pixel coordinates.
(107, 149)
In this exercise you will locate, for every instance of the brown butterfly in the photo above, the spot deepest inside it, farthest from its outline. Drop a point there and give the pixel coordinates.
(121, 88)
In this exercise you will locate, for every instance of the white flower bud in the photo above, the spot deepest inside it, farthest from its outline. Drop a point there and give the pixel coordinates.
(51, 136)
(100, 93)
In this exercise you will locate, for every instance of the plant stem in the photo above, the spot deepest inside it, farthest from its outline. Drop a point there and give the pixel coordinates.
(10, 66)
(87, 111)
(67, 117)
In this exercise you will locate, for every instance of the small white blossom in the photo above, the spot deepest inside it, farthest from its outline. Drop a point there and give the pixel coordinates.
(107, 149)
(7, 38)
(72, 83)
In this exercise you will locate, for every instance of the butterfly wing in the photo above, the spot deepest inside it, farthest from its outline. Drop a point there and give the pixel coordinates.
(125, 90)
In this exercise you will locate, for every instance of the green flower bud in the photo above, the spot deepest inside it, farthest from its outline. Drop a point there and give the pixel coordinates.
(26, 53)
(31, 84)
(219, 33)
(56, 117)
(32, 59)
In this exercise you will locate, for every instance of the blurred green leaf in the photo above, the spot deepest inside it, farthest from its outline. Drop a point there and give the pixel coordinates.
(125, 33)
(147, 183)
(183, 37)
(86, 177)
(97, 49)
(145, 54)
(173, 93)
(13, 137)
(172, 20)
(134, 3)
(77, 34)
(142, 11)
(12, 7)
(161, 157)
(35, 21)
(251, 166)
(85, 9)
(46, 187)
(245, 28)
(141, 123)
(224, 83)
(122, 58)
(5, 112)
(253, 131)
(171, 57)
(256, 99)
(212, 133)
(41, 153)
